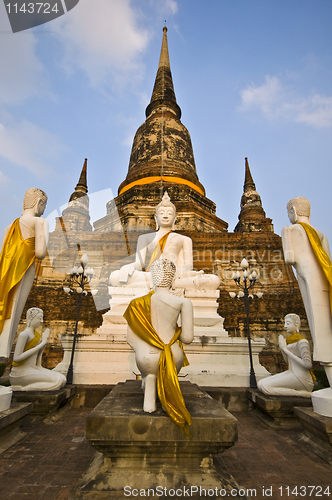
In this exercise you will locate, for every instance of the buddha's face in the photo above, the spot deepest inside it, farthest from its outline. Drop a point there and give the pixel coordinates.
(37, 320)
(40, 207)
(290, 326)
(292, 215)
(165, 216)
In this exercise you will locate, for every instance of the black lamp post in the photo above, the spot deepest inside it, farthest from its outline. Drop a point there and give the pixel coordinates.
(248, 283)
(80, 277)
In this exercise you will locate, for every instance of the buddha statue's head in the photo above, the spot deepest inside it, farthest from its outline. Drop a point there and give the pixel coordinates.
(35, 198)
(292, 323)
(163, 273)
(298, 207)
(34, 317)
(165, 213)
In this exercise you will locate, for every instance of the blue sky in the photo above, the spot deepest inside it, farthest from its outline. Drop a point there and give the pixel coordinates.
(252, 77)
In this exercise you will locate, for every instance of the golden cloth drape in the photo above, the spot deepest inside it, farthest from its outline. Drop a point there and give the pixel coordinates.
(138, 316)
(158, 250)
(296, 337)
(16, 257)
(29, 345)
(322, 257)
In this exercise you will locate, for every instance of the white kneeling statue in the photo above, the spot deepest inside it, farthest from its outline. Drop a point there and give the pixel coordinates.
(156, 338)
(27, 374)
(298, 380)
(169, 245)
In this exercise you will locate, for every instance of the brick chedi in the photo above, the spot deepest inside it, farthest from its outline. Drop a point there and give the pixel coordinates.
(162, 158)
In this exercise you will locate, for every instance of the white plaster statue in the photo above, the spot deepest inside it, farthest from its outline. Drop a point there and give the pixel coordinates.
(23, 241)
(298, 379)
(27, 374)
(163, 310)
(307, 249)
(166, 244)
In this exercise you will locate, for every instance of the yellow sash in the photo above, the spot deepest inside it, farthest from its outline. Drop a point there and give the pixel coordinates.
(322, 257)
(158, 249)
(29, 345)
(138, 316)
(296, 337)
(16, 257)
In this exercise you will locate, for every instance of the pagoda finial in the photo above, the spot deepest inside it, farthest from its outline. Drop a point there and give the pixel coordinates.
(249, 184)
(163, 95)
(81, 188)
(164, 55)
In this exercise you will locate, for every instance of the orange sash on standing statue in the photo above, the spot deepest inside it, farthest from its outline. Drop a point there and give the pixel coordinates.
(322, 257)
(16, 257)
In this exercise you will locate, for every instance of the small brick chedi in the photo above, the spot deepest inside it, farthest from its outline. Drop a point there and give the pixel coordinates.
(162, 160)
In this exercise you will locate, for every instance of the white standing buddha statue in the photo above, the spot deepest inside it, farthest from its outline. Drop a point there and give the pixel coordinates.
(169, 245)
(307, 250)
(24, 241)
(298, 380)
(156, 338)
(27, 374)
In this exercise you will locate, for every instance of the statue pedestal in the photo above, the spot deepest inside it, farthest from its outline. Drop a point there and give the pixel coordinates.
(141, 451)
(10, 421)
(5, 397)
(45, 402)
(322, 402)
(215, 359)
(317, 434)
(277, 411)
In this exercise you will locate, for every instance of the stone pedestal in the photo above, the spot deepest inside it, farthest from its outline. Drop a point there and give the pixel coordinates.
(277, 411)
(5, 397)
(44, 402)
(215, 359)
(145, 451)
(317, 435)
(322, 402)
(10, 421)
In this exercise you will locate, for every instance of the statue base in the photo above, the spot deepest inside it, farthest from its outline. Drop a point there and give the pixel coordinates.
(322, 402)
(277, 411)
(6, 394)
(317, 435)
(147, 451)
(216, 360)
(45, 402)
(10, 421)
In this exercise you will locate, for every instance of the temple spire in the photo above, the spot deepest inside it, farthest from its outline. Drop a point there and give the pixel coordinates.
(164, 55)
(81, 188)
(249, 184)
(76, 216)
(252, 216)
(163, 95)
